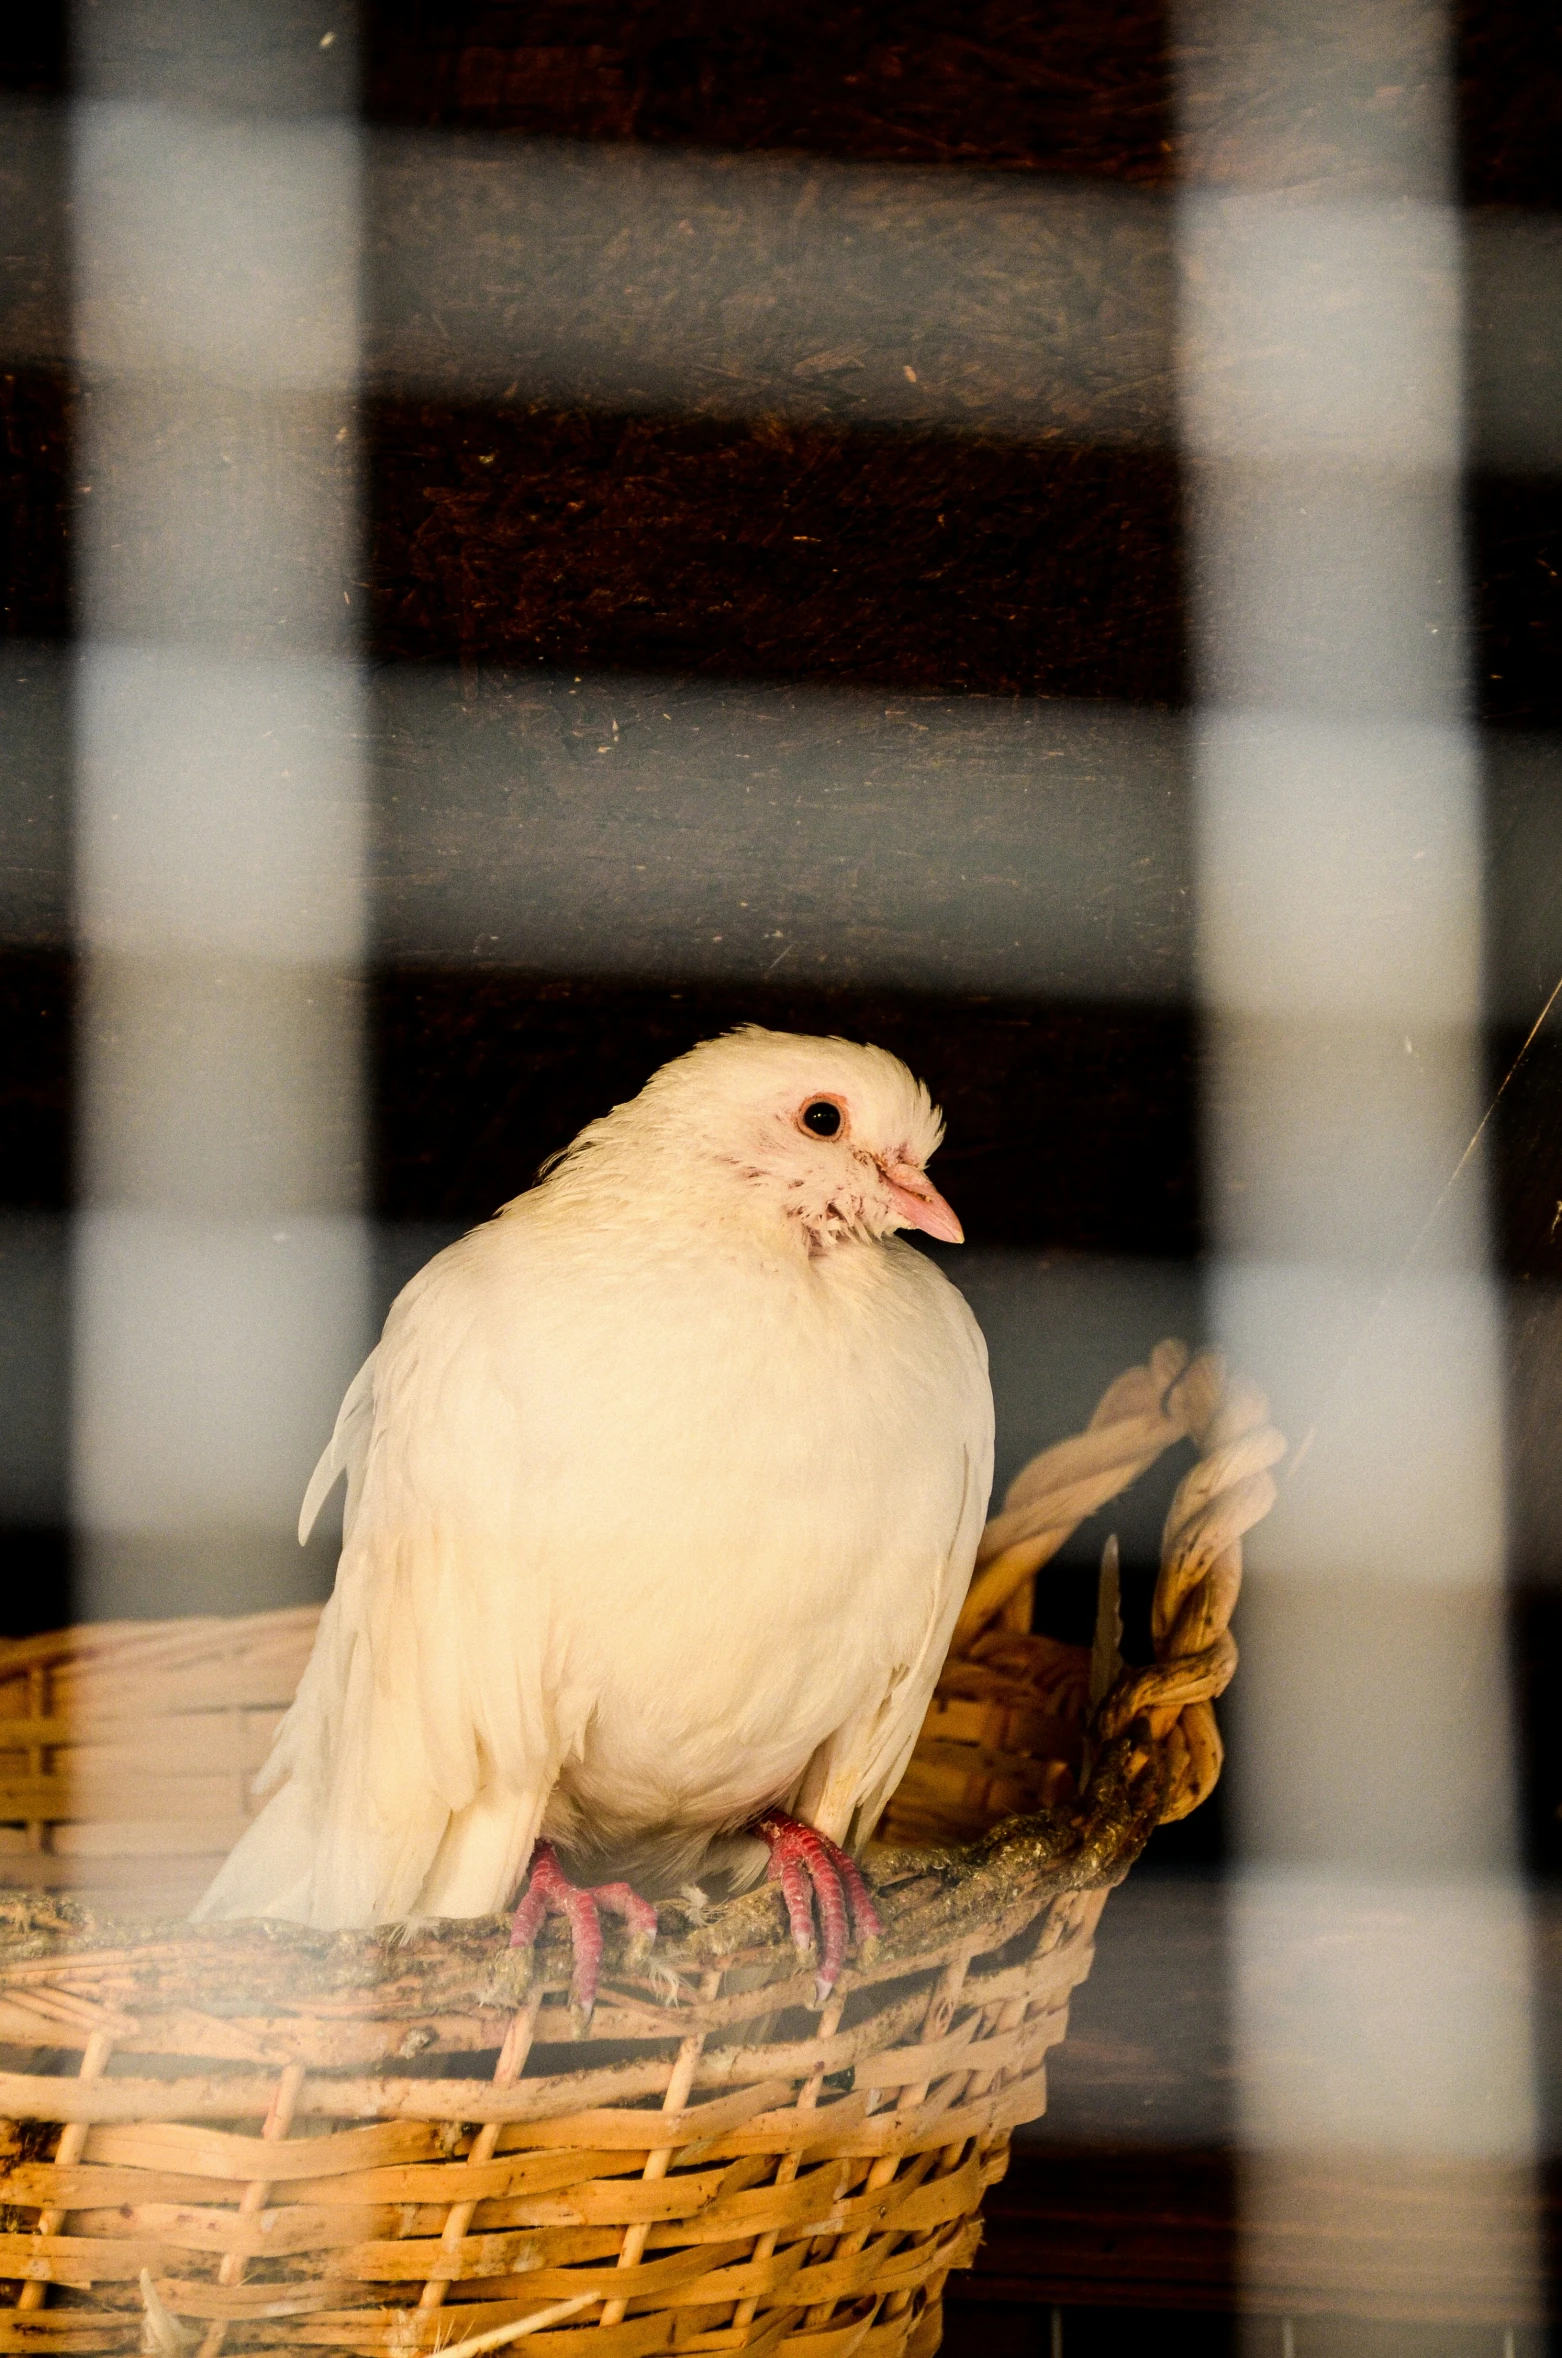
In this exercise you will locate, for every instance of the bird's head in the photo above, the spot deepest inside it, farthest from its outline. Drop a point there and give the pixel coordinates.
(827, 1139)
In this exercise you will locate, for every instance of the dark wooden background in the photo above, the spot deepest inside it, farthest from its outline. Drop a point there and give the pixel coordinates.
(513, 536)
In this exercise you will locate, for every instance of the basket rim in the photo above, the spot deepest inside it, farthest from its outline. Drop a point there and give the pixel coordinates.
(81, 1969)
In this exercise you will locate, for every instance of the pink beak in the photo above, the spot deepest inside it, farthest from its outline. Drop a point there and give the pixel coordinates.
(919, 1203)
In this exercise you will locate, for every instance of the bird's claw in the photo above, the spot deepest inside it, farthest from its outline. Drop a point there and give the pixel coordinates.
(814, 1871)
(549, 1892)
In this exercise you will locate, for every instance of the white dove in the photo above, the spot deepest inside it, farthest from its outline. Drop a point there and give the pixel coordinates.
(663, 1493)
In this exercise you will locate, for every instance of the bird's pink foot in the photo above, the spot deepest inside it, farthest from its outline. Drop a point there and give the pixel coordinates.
(549, 1892)
(812, 1870)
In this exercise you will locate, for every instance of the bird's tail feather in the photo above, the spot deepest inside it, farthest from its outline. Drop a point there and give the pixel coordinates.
(270, 1870)
(483, 1854)
(351, 1832)
(345, 1452)
(293, 1864)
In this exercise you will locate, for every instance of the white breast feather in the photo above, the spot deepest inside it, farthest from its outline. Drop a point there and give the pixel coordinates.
(635, 1543)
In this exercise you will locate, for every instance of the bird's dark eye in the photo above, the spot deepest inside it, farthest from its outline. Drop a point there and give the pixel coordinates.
(821, 1117)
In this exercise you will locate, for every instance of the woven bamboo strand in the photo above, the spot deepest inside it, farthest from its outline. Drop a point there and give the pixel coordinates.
(257, 2193)
(791, 2162)
(940, 2013)
(542, 2114)
(940, 2007)
(659, 2162)
(73, 2137)
(507, 2070)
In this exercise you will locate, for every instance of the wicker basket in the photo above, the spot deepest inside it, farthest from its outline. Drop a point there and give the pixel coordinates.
(242, 2136)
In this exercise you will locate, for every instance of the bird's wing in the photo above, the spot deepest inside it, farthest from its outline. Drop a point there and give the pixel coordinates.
(346, 1452)
(420, 1753)
(852, 1775)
